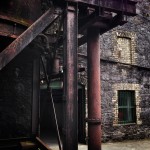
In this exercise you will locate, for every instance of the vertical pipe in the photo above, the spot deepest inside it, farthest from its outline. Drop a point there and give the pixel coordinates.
(55, 69)
(94, 91)
(70, 79)
(35, 101)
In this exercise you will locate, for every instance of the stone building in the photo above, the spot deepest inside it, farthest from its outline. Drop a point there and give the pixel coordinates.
(125, 83)
(125, 78)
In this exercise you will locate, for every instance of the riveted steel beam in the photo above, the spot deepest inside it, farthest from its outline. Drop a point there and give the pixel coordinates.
(70, 79)
(125, 6)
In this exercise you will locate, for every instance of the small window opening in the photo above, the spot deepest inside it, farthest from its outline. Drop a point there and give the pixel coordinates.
(126, 107)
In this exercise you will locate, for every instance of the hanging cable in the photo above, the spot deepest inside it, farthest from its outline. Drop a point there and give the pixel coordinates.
(53, 105)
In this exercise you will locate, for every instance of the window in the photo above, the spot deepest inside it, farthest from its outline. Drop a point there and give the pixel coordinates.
(126, 96)
(126, 107)
(124, 49)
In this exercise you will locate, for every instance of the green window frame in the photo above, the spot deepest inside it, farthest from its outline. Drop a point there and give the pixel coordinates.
(126, 107)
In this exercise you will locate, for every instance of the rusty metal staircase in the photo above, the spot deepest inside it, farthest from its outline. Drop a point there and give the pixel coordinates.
(97, 13)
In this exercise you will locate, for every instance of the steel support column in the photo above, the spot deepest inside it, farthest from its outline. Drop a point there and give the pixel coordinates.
(35, 101)
(70, 140)
(94, 91)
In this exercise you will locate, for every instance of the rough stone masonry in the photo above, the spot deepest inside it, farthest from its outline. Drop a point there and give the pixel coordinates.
(125, 65)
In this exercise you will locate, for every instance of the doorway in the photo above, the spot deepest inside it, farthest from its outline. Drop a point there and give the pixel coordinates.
(47, 122)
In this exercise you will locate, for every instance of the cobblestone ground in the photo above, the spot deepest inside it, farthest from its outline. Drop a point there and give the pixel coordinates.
(126, 145)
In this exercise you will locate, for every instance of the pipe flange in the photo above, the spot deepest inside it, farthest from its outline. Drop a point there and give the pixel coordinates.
(93, 121)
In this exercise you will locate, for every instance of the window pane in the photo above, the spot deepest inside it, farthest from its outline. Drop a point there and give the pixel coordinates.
(123, 115)
(122, 98)
(126, 107)
(133, 98)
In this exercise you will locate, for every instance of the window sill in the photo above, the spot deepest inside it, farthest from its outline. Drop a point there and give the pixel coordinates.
(127, 124)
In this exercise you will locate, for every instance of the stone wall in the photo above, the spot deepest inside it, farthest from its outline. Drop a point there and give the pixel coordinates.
(16, 97)
(139, 26)
(124, 74)
(137, 72)
(120, 77)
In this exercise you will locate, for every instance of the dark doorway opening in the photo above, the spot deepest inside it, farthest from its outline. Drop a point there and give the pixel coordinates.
(81, 115)
(47, 122)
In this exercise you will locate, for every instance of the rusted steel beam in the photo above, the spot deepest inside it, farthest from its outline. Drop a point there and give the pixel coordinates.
(103, 24)
(14, 20)
(12, 30)
(22, 12)
(25, 38)
(94, 91)
(114, 22)
(94, 20)
(81, 41)
(128, 7)
(70, 79)
(35, 96)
